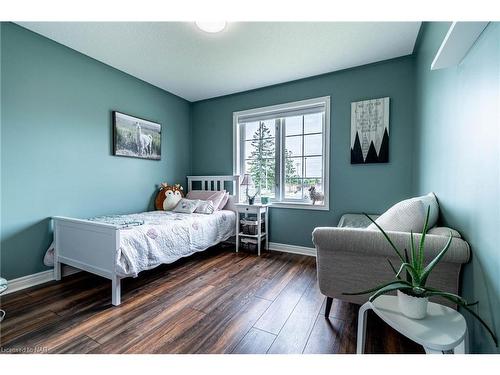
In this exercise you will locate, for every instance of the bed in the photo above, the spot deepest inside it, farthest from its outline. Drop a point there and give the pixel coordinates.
(120, 246)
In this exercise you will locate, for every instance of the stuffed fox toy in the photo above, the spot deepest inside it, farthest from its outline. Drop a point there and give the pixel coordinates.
(168, 196)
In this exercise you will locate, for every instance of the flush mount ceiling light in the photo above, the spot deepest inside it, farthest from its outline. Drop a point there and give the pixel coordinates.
(211, 27)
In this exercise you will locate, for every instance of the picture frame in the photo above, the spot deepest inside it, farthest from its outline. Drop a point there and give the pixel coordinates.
(370, 131)
(136, 137)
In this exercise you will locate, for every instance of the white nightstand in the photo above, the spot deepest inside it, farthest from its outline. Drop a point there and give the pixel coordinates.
(257, 210)
(443, 330)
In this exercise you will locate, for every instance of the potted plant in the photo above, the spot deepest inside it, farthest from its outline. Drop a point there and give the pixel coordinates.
(413, 291)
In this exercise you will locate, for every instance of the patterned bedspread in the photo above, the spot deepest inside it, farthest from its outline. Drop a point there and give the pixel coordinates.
(149, 239)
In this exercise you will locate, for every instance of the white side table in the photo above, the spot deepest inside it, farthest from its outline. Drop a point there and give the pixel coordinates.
(253, 209)
(442, 330)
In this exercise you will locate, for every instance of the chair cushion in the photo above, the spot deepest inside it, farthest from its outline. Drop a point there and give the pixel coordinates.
(409, 215)
(355, 221)
(444, 231)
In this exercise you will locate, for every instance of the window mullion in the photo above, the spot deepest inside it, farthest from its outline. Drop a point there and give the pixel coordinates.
(283, 158)
(277, 165)
(242, 150)
(303, 160)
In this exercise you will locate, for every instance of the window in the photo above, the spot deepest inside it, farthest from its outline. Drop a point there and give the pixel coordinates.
(285, 149)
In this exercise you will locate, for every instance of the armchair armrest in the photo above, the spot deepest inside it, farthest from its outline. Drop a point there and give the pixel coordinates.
(373, 243)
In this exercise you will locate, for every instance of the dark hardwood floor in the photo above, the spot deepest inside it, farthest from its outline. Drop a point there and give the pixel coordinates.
(214, 302)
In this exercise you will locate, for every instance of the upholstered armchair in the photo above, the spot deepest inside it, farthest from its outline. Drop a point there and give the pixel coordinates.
(352, 258)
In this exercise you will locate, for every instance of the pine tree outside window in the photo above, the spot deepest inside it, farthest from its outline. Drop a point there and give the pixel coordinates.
(285, 149)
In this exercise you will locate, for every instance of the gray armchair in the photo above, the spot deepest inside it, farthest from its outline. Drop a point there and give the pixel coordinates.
(354, 259)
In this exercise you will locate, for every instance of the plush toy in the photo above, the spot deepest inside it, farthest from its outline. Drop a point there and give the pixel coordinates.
(168, 196)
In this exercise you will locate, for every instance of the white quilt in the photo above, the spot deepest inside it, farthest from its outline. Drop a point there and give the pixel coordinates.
(149, 239)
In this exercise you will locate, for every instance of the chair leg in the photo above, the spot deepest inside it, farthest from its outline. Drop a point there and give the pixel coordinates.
(328, 306)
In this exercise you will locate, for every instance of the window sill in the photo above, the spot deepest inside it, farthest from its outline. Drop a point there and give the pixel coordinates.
(299, 206)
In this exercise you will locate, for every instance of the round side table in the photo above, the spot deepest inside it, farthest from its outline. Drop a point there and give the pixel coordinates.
(3, 288)
(443, 330)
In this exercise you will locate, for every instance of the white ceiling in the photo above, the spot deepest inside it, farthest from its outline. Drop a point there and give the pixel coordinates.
(178, 57)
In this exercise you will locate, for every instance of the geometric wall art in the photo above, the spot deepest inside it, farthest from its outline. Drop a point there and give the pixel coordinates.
(370, 131)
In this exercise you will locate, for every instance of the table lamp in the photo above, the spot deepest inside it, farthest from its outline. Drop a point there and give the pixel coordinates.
(247, 181)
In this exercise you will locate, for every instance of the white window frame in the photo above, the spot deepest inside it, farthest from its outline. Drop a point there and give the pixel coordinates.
(297, 105)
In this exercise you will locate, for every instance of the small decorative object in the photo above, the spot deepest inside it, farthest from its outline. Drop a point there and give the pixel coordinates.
(316, 196)
(247, 181)
(413, 293)
(136, 137)
(168, 196)
(370, 131)
(264, 200)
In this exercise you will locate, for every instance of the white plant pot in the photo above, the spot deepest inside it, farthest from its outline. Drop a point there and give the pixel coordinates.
(412, 307)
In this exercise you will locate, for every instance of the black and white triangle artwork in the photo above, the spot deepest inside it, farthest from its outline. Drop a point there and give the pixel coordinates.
(370, 131)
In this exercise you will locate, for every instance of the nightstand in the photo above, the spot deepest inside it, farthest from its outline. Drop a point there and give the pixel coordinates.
(258, 213)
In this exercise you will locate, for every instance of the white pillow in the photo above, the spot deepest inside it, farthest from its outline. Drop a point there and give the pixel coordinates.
(223, 202)
(205, 207)
(215, 196)
(430, 200)
(409, 215)
(186, 206)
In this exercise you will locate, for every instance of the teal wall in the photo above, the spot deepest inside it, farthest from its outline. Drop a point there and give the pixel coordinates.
(55, 147)
(458, 157)
(353, 188)
(56, 143)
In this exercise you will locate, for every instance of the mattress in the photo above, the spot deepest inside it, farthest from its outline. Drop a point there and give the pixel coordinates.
(149, 239)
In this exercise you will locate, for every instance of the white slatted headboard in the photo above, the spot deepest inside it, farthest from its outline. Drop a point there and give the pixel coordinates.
(216, 183)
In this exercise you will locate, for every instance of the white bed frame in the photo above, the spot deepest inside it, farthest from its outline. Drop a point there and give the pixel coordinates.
(93, 246)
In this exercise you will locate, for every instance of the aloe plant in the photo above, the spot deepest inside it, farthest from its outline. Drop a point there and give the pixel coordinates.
(417, 273)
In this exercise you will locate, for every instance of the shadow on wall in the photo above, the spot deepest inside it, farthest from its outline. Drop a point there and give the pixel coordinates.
(30, 242)
(151, 202)
(474, 272)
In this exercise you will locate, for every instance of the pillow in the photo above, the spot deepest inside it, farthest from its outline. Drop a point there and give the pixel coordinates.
(223, 202)
(206, 195)
(444, 231)
(205, 207)
(409, 215)
(186, 206)
(168, 196)
(430, 200)
(230, 205)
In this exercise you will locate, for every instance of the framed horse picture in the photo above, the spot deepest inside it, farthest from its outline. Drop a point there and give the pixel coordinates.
(136, 137)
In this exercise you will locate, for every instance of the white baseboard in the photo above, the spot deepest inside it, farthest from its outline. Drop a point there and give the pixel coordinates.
(294, 249)
(35, 279)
